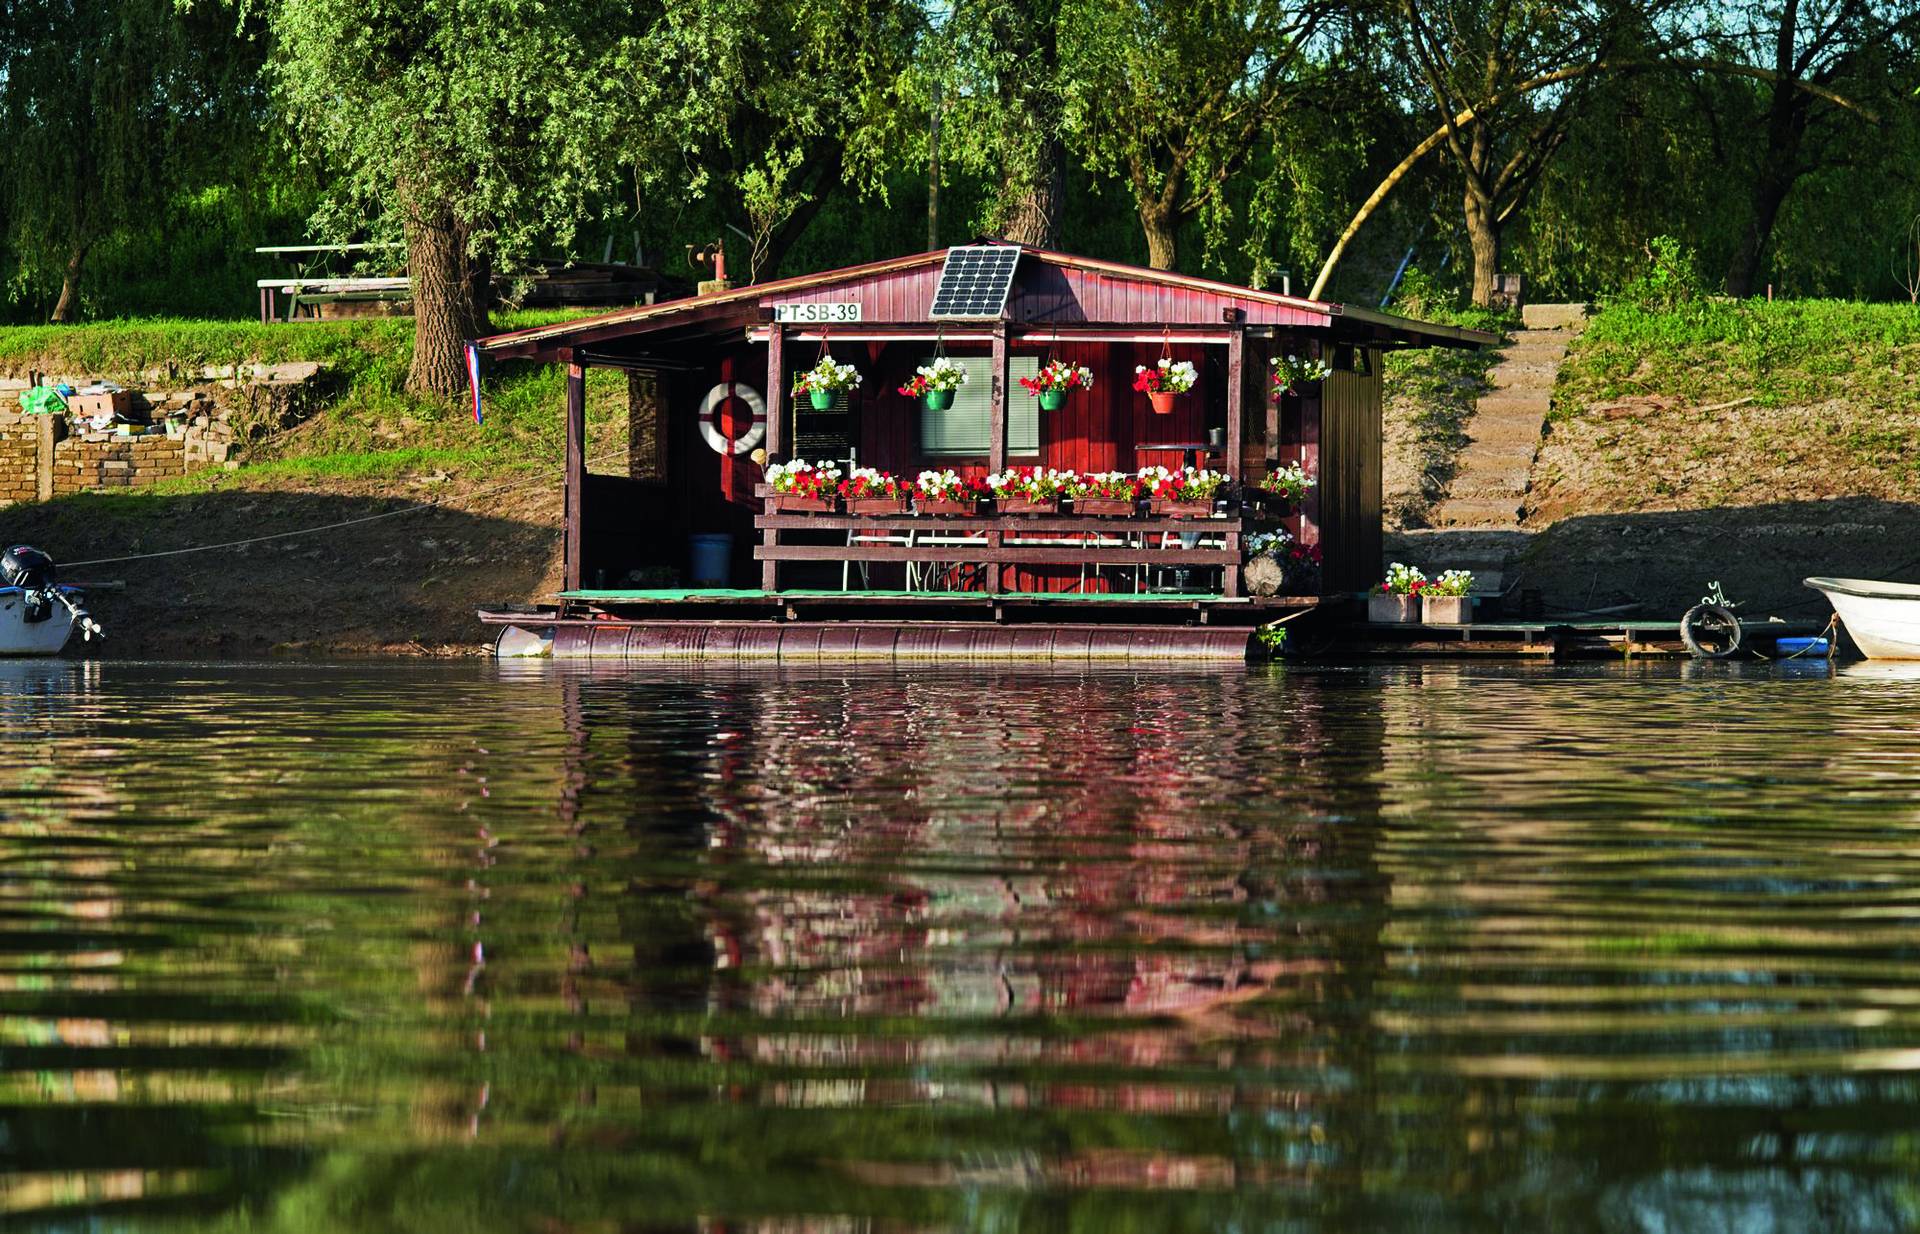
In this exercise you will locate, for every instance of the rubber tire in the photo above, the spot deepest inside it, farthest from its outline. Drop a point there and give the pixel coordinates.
(1710, 619)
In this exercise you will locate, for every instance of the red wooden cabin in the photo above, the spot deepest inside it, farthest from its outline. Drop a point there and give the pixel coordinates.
(709, 377)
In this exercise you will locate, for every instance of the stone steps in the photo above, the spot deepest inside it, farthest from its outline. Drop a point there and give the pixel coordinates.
(1483, 513)
(1553, 316)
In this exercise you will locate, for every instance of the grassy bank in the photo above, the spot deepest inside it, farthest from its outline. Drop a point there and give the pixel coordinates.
(1717, 403)
(1429, 397)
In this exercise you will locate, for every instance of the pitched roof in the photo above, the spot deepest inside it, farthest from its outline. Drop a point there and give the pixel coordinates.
(742, 301)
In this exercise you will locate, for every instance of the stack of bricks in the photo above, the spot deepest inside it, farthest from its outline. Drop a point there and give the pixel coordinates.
(95, 461)
(19, 455)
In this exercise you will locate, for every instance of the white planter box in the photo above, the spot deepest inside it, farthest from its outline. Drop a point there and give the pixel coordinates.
(1448, 610)
(1399, 610)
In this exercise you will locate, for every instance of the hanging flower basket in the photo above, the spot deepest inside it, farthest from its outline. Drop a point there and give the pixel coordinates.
(934, 383)
(1187, 493)
(1284, 488)
(801, 487)
(869, 491)
(1292, 372)
(1105, 494)
(824, 380)
(948, 493)
(1055, 381)
(1164, 381)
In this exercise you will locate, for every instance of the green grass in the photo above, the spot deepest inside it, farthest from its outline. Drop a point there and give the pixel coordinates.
(371, 427)
(1779, 353)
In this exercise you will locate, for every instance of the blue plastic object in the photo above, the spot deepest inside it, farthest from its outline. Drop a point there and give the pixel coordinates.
(1800, 647)
(712, 559)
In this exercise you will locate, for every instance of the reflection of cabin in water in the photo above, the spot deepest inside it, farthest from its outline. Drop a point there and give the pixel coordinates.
(708, 387)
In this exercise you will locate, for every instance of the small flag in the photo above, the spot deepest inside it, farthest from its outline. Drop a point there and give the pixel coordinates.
(473, 379)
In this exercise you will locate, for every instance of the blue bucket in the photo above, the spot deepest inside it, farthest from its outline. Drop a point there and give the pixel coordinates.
(712, 559)
(1800, 647)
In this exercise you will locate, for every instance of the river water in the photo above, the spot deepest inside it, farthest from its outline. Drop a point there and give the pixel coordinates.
(538, 948)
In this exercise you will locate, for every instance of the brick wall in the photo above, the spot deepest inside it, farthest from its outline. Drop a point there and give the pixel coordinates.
(19, 457)
(81, 465)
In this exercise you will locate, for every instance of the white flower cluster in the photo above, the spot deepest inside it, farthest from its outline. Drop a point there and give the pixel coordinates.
(1454, 583)
(783, 476)
(1175, 377)
(1267, 542)
(1035, 483)
(944, 373)
(1188, 483)
(830, 374)
(1291, 371)
(1402, 578)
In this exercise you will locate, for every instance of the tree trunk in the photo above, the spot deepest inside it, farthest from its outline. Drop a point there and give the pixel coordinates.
(67, 307)
(445, 310)
(1163, 243)
(1769, 194)
(1483, 233)
(1032, 202)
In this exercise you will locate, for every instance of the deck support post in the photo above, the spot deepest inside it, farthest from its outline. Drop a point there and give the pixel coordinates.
(776, 391)
(576, 482)
(997, 441)
(1236, 399)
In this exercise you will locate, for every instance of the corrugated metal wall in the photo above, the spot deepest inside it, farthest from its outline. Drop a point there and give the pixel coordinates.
(1349, 493)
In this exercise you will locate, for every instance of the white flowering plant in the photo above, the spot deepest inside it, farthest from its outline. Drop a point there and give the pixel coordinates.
(1291, 371)
(1166, 377)
(948, 485)
(1119, 485)
(807, 479)
(1187, 484)
(1030, 483)
(1450, 583)
(1403, 580)
(829, 375)
(1289, 481)
(942, 373)
(1058, 375)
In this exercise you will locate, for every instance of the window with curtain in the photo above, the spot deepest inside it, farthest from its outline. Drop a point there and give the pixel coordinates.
(965, 429)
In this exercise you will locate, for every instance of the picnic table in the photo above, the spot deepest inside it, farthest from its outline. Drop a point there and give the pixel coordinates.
(311, 287)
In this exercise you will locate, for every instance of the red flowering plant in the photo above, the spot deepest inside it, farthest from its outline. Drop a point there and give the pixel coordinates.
(1118, 485)
(1187, 484)
(1058, 375)
(1029, 483)
(949, 486)
(1166, 377)
(1302, 556)
(1402, 580)
(804, 479)
(868, 482)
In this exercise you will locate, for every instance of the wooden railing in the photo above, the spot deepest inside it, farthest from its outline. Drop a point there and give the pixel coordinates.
(993, 542)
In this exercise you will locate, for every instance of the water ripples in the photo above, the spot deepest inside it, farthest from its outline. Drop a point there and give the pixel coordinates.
(473, 947)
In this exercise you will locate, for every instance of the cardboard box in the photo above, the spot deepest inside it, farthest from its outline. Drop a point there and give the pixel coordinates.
(117, 402)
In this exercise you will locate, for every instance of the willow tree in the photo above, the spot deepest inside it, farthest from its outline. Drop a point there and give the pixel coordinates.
(478, 128)
(1174, 96)
(108, 110)
(1001, 89)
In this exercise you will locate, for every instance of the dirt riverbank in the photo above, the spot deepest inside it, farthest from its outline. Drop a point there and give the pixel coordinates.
(406, 582)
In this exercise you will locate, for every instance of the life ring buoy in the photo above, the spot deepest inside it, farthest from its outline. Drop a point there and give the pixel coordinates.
(710, 429)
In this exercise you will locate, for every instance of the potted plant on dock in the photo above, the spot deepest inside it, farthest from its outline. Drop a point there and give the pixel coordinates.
(1028, 490)
(1163, 382)
(824, 380)
(947, 492)
(1292, 372)
(1105, 493)
(1284, 488)
(1396, 599)
(1052, 384)
(1187, 493)
(870, 491)
(934, 382)
(1445, 602)
(800, 486)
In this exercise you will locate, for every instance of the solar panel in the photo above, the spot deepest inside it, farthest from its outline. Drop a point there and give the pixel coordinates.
(975, 281)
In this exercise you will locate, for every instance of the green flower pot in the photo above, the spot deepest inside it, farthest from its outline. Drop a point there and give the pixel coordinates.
(1052, 400)
(822, 399)
(938, 400)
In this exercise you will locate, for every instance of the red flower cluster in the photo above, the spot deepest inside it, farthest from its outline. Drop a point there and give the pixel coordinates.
(917, 387)
(866, 482)
(1299, 554)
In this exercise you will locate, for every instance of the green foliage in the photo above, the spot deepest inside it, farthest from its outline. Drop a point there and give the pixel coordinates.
(1778, 353)
(1671, 278)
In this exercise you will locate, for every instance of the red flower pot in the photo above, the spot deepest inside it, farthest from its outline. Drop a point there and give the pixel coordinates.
(1104, 506)
(1020, 505)
(804, 503)
(877, 505)
(1169, 508)
(1162, 401)
(947, 506)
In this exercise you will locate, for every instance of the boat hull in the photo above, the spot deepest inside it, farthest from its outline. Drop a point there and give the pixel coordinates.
(1883, 619)
(20, 637)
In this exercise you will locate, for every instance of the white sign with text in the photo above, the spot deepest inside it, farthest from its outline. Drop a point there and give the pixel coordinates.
(831, 311)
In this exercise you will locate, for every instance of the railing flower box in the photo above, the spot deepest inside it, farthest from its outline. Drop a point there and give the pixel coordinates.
(1167, 507)
(896, 504)
(1122, 507)
(1028, 505)
(947, 507)
(948, 493)
(805, 503)
(800, 487)
(869, 491)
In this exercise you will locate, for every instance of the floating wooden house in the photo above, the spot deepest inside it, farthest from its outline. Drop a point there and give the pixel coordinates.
(673, 547)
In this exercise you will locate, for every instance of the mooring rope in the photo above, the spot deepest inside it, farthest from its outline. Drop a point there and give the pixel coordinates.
(308, 531)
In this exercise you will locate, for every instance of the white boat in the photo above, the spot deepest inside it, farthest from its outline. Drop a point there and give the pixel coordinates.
(1882, 618)
(37, 615)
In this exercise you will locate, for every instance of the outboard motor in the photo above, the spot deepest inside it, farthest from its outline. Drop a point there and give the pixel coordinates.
(27, 568)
